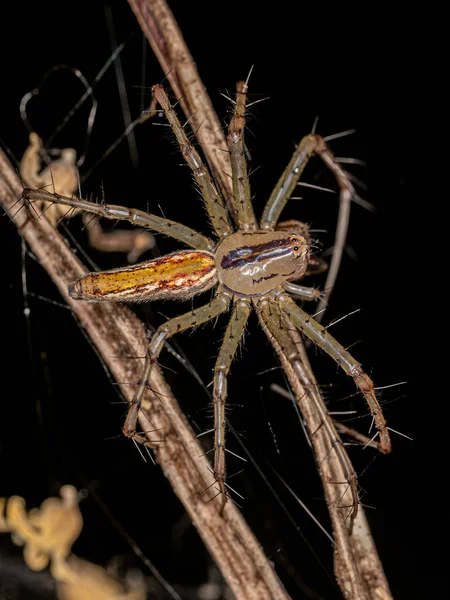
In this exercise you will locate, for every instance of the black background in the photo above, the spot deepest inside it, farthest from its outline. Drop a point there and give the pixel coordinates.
(60, 418)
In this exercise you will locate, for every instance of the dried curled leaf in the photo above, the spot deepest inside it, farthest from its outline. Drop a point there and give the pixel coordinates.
(47, 534)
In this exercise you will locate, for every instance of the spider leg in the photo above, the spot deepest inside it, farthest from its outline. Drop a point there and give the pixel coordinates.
(140, 218)
(320, 336)
(272, 318)
(214, 204)
(246, 219)
(309, 145)
(216, 307)
(233, 336)
(302, 291)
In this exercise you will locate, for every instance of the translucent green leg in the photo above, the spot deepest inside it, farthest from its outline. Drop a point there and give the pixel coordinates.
(216, 307)
(309, 145)
(302, 291)
(211, 197)
(121, 213)
(233, 336)
(320, 336)
(241, 187)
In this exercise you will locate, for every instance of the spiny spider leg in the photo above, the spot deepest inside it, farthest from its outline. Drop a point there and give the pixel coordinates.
(345, 197)
(273, 320)
(231, 340)
(211, 197)
(320, 336)
(216, 307)
(137, 217)
(302, 291)
(309, 145)
(246, 219)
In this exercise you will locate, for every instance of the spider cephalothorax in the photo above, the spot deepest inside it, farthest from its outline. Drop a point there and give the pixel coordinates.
(252, 267)
(256, 262)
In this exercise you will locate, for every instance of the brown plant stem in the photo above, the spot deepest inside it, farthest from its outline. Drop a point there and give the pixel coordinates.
(167, 42)
(357, 566)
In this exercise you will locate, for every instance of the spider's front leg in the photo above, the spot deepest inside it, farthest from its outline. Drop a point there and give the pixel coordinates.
(309, 146)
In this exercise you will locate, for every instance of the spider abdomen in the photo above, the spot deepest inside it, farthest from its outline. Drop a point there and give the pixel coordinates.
(178, 275)
(255, 262)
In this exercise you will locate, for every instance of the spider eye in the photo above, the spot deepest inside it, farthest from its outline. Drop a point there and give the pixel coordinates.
(296, 248)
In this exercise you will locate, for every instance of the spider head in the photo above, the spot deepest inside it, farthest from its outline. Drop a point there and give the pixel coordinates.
(300, 255)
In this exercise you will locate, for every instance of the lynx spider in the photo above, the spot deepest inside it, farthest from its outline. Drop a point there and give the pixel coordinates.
(253, 265)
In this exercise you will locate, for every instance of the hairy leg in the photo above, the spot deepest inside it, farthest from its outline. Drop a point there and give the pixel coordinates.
(216, 307)
(231, 340)
(214, 204)
(320, 336)
(137, 217)
(310, 145)
(245, 217)
(272, 318)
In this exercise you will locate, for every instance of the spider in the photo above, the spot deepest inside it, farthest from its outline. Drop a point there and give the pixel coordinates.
(252, 266)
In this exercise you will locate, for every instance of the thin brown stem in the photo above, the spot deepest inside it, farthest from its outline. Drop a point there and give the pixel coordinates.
(167, 42)
(357, 566)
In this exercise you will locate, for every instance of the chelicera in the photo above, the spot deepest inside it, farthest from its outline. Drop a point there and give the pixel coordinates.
(253, 266)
